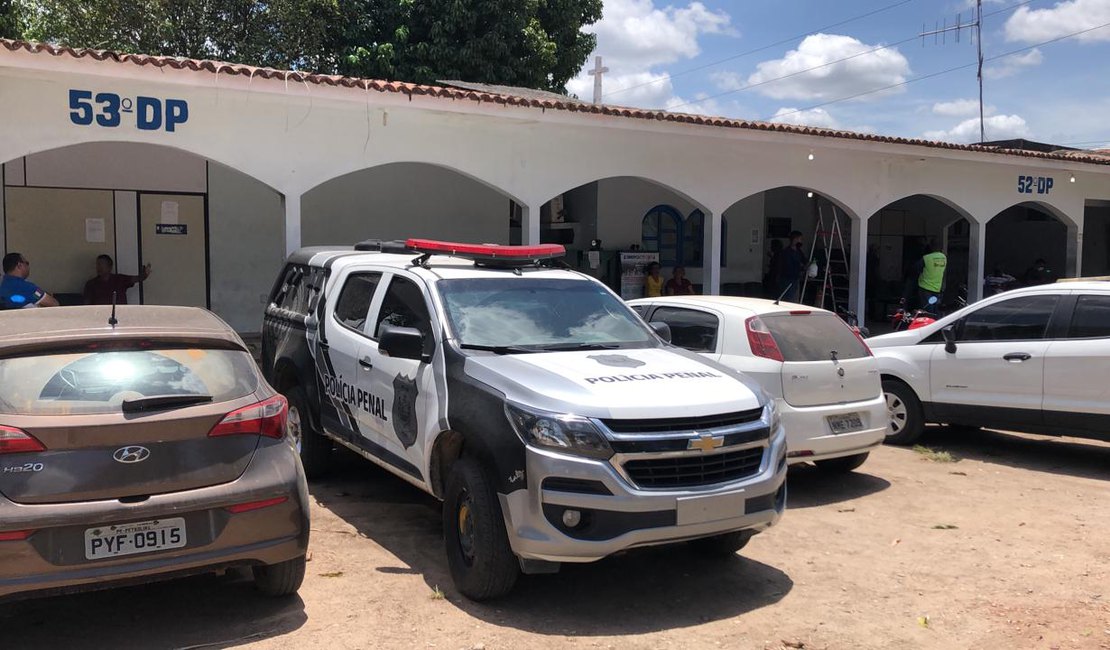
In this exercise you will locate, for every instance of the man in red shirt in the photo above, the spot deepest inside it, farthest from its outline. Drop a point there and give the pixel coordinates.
(99, 290)
(678, 285)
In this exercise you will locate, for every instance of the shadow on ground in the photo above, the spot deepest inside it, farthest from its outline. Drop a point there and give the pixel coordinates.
(201, 612)
(638, 592)
(809, 487)
(1067, 456)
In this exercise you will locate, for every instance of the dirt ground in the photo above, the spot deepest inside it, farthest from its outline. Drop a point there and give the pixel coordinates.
(1006, 547)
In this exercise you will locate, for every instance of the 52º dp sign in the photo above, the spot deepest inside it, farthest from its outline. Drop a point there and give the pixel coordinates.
(110, 110)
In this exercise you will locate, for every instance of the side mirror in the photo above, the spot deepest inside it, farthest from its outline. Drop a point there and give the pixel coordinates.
(949, 334)
(401, 342)
(933, 300)
(662, 329)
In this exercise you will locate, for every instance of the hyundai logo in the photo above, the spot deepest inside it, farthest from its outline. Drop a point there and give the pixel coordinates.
(132, 454)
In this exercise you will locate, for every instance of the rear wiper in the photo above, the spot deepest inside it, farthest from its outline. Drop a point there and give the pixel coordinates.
(578, 347)
(159, 402)
(499, 349)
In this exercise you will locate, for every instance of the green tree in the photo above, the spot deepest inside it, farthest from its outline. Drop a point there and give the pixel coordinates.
(9, 23)
(532, 43)
(278, 33)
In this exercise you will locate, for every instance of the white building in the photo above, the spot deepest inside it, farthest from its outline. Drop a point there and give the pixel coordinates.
(213, 172)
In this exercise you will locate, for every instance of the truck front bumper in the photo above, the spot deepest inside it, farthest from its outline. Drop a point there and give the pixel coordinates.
(613, 515)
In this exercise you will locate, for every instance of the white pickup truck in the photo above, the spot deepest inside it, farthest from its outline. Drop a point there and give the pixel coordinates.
(554, 424)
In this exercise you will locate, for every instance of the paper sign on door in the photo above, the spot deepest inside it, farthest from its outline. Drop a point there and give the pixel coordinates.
(94, 231)
(169, 212)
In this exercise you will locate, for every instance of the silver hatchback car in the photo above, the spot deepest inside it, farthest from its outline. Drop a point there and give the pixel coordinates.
(140, 450)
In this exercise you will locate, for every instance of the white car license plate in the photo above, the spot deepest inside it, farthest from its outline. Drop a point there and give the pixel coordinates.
(845, 423)
(128, 539)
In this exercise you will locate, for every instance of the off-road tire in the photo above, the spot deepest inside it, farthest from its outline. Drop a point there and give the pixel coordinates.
(725, 545)
(907, 416)
(316, 450)
(842, 465)
(282, 579)
(488, 568)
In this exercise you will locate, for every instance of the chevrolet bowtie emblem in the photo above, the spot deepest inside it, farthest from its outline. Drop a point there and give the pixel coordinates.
(706, 443)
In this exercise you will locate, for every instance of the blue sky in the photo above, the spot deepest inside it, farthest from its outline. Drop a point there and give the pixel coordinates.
(673, 55)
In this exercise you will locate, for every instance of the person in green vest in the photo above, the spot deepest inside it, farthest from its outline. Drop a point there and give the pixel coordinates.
(930, 278)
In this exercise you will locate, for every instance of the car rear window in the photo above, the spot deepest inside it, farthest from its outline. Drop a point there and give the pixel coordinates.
(813, 336)
(99, 382)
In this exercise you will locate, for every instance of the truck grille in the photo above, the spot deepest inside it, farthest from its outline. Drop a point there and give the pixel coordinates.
(694, 470)
(665, 425)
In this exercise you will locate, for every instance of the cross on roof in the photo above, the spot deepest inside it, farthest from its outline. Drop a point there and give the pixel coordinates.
(597, 73)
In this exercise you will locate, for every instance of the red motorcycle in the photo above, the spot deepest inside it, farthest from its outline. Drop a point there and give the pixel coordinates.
(903, 319)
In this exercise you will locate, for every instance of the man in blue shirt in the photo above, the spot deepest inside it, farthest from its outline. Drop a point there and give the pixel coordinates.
(15, 291)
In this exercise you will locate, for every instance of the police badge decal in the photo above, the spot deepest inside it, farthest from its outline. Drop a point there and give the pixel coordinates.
(404, 409)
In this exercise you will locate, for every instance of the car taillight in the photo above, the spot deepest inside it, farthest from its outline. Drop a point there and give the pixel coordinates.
(18, 441)
(859, 337)
(264, 418)
(761, 341)
(15, 535)
(255, 505)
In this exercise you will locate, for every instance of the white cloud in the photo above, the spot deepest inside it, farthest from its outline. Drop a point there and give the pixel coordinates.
(1012, 65)
(817, 117)
(961, 108)
(808, 117)
(635, 33)
(1038, 25)
(863, 70)
(701, 103)
(997, 127)
(635, 38)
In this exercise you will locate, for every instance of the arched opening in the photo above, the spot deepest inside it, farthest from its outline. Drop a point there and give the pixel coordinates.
(614, 226)
(899, 236)
(1096, 239)
(407, 199)
(185, 215)
(1020, 237)
(759, 230)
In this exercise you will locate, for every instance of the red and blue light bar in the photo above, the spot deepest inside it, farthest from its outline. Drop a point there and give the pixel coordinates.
(486, 251)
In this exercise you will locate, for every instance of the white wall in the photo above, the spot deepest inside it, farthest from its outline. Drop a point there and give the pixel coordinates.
(745, 260)
(404, 200)
(115, 165)
(247, 245)
(127, 239)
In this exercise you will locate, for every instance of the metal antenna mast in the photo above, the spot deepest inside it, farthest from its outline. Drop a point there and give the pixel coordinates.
(940, 34)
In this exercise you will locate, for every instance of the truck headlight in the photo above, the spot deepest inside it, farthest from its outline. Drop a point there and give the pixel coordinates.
(773, 417)
(566, 433)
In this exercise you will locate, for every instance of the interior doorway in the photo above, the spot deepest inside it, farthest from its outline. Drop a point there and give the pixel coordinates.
(173, 238)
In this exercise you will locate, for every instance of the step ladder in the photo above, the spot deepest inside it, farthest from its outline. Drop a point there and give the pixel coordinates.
(832, 281)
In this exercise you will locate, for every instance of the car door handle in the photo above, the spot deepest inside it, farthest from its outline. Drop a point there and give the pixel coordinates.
(1018, 357)
(365, 362)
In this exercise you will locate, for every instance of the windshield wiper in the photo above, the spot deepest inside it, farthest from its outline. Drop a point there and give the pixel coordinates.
(159, 402)
(499, 349)
(579, 347)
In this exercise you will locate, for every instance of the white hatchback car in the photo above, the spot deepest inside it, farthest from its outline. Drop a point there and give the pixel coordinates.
(1035, 360)
(822, 374)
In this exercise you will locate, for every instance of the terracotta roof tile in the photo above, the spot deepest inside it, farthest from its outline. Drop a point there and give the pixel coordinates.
(410, 89)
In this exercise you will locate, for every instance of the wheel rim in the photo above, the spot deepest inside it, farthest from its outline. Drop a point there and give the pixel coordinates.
(898, 412)
(293, 426)
(466, 528)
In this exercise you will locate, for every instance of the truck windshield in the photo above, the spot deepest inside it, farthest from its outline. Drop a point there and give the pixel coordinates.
(521, 314)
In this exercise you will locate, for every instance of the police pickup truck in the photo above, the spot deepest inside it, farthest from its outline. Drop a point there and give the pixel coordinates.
(554, 424)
